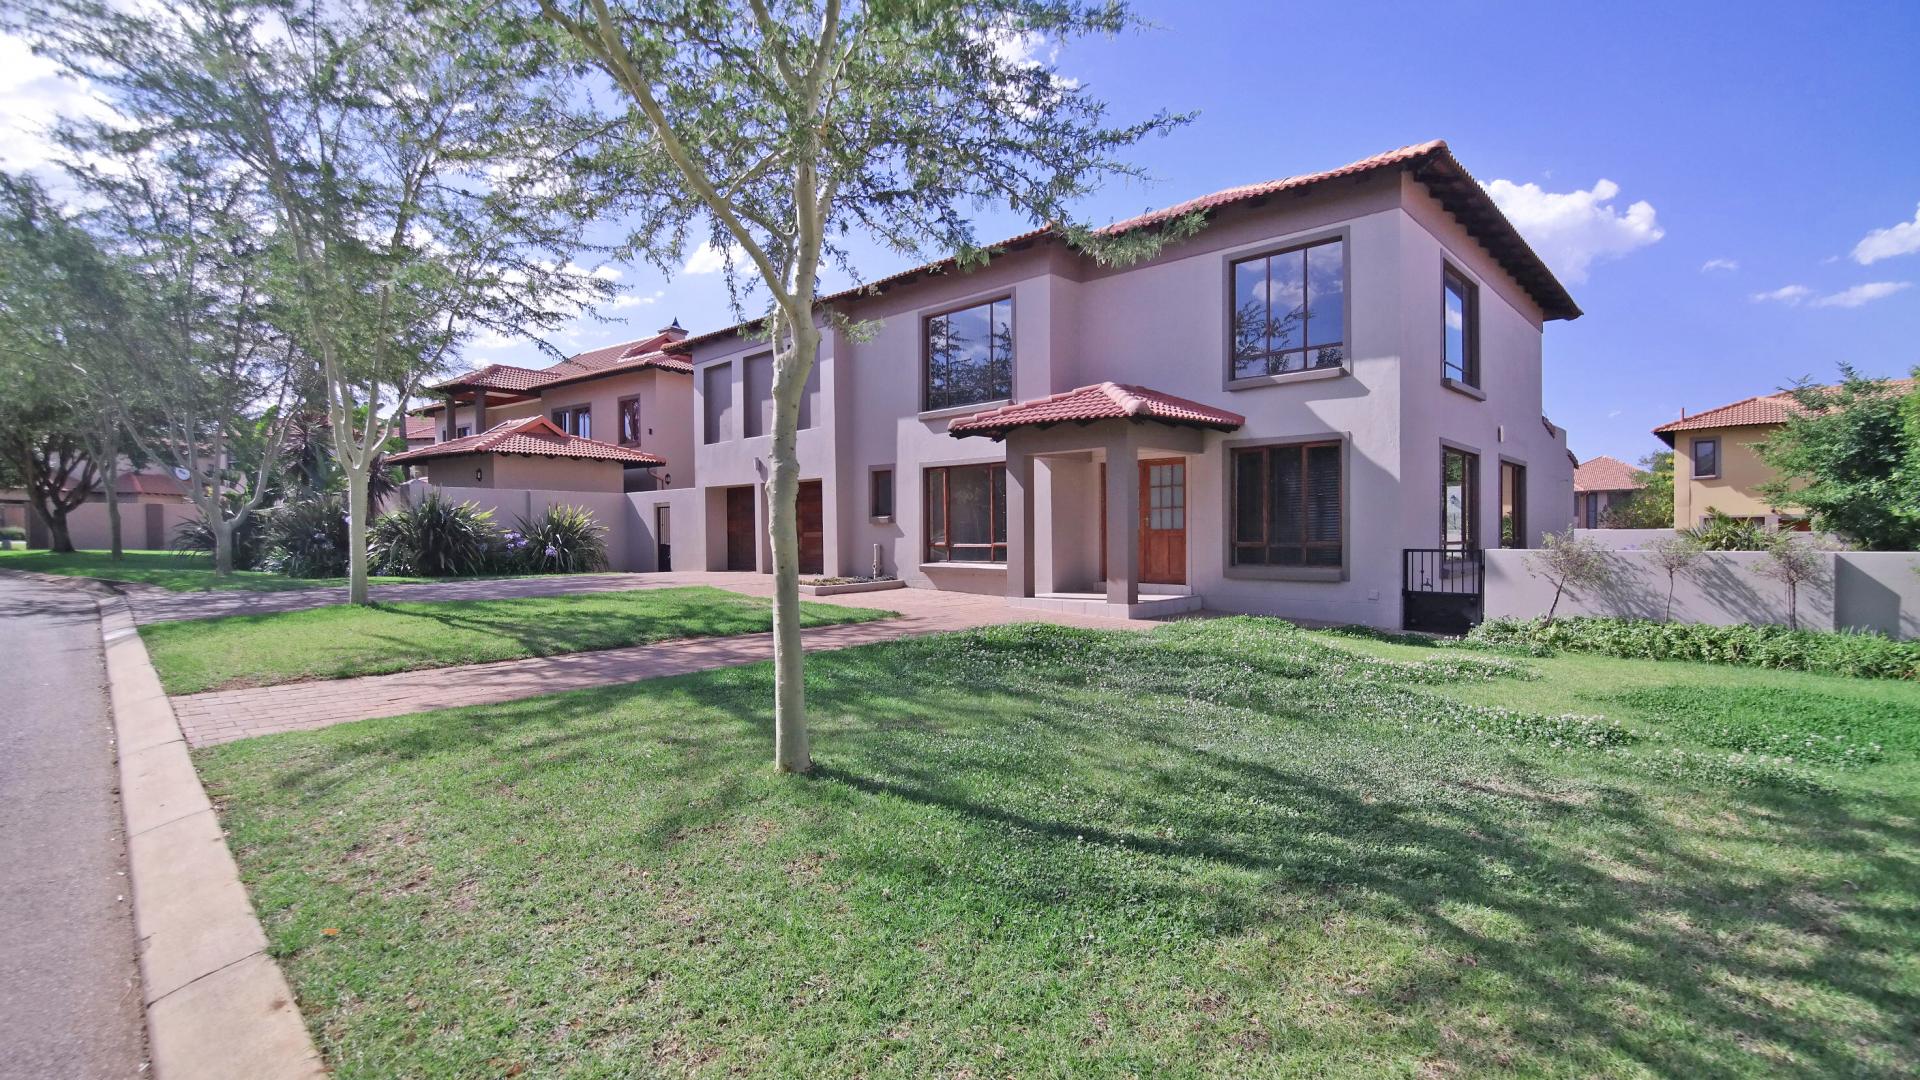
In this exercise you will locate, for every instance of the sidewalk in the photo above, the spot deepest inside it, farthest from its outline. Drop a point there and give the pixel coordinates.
(225, 715)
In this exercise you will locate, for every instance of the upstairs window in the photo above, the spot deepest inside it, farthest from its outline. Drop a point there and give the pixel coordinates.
(630, 421)
(1290, 311)
(1460, 332)
(575, 420)
(758, 419)
(716, 398)
(970, 355)
(1706, 458)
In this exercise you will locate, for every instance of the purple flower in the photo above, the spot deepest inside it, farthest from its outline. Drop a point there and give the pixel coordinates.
(552, 552)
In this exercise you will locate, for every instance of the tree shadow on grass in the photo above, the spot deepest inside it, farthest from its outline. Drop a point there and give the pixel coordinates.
(1638, 907)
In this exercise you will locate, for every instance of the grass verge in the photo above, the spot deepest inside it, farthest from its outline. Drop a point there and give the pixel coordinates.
(168, 570)
(1221, 848)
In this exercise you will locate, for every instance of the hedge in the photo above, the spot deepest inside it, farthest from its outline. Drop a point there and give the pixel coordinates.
(1858, 655)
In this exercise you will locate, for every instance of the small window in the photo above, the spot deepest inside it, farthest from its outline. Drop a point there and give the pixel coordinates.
(1289, 311)
(970, 355)
(880, 495)
(575, 420)
(1460, 334)
(1706, 458)
(462, 431)
(1513, 505)
(630, 429)
(716, 396)
(1459, 499)
(966, 513)
(1289, 503)
(758, 419)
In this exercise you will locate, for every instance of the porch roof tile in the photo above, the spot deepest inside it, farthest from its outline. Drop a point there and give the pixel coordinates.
(1101, 401)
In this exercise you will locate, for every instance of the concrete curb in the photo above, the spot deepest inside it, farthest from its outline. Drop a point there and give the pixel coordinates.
(217, 1005)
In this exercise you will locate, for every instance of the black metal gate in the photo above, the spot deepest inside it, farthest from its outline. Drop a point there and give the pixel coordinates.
(1442, 590)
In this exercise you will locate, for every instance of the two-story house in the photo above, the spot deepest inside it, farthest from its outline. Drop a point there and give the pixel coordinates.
(1329, 395)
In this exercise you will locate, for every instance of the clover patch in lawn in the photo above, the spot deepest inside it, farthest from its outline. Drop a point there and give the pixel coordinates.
(1792, 724)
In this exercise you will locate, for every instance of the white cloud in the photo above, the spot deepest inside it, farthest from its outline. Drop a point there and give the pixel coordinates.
(707, 259)
(1862, 294)
(1572, 230)
(1719, 264)
(1901, 239)
(1785, 294)
(633, 300)
(33, 95)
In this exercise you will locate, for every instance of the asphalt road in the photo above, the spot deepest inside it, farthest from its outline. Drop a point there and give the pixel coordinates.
(69, 985)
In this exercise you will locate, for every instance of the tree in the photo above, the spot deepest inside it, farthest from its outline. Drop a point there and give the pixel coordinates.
(1651, 507)
(1570, 561)
(1794, 560)
(417, 188)
(1848, 457)
(1676, 556)
(783, 125)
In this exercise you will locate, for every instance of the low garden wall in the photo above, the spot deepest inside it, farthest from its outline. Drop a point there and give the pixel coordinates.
(509, 505)
(1877, 591)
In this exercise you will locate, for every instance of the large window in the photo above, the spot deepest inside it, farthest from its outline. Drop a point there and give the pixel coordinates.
(630, 421)
(1460, 332)
(1513, 505)
(575, 420)
(1459, 499)
(970, 355)
(1288, 504)
(1706, 458)
(967, 513)
(1289, 311)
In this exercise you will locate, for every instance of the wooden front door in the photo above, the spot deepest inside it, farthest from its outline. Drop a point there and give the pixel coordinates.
(1163, 521)
(740, 545)
(813, 529)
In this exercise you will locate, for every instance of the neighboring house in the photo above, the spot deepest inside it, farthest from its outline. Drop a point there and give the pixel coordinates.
(152, 503)
(1599, 483)
(1332, 391)
(1716, 465)
(631, 396)
(421, 431)
(528, 453)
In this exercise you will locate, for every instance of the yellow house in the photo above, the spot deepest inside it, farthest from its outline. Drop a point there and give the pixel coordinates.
(1716, 465)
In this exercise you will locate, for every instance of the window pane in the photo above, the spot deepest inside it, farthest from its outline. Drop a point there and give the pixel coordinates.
(1457, 478)
(1001, 375)
(1326, 293)
(1289, 523)
(970, 355)
(1323, 494)
(1455, 331)
(968, 499)
(1287, 302)
(881, 498)
(583, 423)
(1250, 318)
(716, 394)
(630, 420)
(999, 479)
(759, 415)
(936, 506)
(1249, 498)
(1706, 457)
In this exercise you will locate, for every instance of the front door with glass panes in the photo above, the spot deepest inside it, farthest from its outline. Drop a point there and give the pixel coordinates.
(1163, 522)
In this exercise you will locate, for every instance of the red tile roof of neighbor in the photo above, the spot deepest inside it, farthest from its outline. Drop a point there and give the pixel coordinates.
(1747, 412)
(1101, 401)
(534, 437)
(1432, 163)
(421, 427)
(1606, 474)
(607, 360)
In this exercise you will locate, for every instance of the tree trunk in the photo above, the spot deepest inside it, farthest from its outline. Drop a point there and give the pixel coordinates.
(110, 484)
(790, 750)
(1555, 606)
(1667, 616)
(59, 539)
(356, 533)
(222, 546)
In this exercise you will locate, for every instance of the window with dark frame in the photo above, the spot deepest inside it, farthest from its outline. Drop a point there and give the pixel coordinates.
(1706, 458)
(1459, 500)
(1289, 311)
(462, 431)
(969, 355)
(1289, 503)
(966, 513)
(880, 495)
(1460, 330)
(1513, 505)
(630, 421)
(575, 420)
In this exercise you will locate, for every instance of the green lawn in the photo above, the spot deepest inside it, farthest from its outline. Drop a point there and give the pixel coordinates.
(1224, 848)
(168, 570)
(341, 641)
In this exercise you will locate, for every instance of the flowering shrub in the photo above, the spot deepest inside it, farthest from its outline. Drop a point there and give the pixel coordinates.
(437, 538)
(562, 540)
(1858, 655)
(306, 537)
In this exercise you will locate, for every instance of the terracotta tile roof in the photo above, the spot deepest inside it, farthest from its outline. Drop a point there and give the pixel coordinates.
(151, 481)
(1747, 412)
(535, 437)
(1101, 401)
(1432, 163)
(421, 427)
(608, 359)
(1605, 473)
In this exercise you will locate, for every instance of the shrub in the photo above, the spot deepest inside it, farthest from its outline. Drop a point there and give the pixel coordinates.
(307, 537)
(1857, 655)
(12, 532)
(1570, 562)
(195, 537)
(561, 540)
(437, 538)
(1721, 532)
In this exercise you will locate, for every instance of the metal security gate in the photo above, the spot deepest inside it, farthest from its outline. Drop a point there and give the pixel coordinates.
(1442, 590)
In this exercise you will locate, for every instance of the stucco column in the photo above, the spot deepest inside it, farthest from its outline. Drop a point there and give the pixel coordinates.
(479, 410)
(1123, 518)
(446, 428)
(1019, 521)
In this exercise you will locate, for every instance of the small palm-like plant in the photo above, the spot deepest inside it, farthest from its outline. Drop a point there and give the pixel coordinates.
(308, 537)
(438, 538)
(194, 537)
(562, 540)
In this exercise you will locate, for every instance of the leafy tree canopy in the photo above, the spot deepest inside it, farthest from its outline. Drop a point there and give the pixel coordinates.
(1850, 458)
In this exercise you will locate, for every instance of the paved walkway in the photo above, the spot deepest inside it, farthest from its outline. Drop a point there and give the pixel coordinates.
(70, 1003)
(226, 715)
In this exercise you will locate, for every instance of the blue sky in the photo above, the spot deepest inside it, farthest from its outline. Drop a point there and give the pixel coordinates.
(1766, 141)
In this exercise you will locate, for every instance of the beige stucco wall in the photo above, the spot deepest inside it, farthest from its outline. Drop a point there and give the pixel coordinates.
(517, 471)
(1736, 490)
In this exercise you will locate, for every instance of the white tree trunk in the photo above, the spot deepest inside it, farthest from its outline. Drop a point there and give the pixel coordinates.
(110, 484)
(223, 531)
(357, 532)
(791, 367)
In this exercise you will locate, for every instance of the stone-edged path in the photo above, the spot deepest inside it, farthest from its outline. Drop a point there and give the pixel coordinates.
(225, 715)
